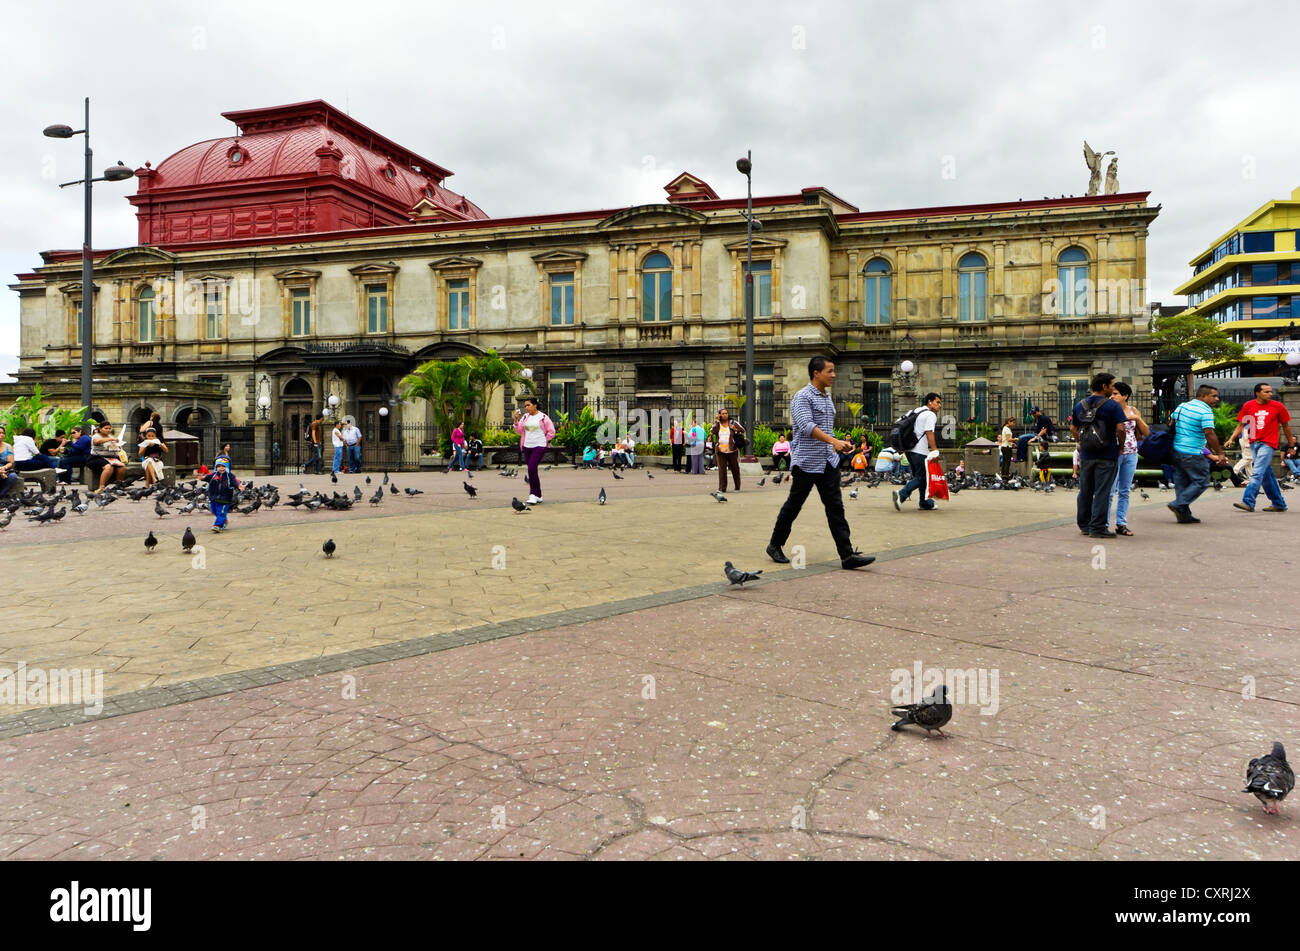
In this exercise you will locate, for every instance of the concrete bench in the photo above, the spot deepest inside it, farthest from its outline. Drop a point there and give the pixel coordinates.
(45, 477)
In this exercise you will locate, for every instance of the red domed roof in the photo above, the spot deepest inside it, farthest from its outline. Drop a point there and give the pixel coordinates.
(287, 145)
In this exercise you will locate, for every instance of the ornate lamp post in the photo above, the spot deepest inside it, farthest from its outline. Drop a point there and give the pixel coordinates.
(115, 173)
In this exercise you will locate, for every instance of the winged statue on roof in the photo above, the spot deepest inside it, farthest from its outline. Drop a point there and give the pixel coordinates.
(1094, 160)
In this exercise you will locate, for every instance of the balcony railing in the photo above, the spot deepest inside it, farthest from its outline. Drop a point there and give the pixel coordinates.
(353, 344)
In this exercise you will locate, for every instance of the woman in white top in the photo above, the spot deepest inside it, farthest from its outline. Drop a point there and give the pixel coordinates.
(104, 457)
(1135, 430)
(535, 431)
(1007, 445)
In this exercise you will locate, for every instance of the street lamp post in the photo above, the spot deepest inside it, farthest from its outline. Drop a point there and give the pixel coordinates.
(745, 167)
(115, 173)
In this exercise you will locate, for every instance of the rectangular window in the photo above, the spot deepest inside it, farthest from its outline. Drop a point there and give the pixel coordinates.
(1253, 242)
(878, 401)
(762, 288)
(212, 323)
(76, 333)
(1071, 386)
(562, 286)
(561, 392)
(972, 399)
(1263, 274)
(654, 378)
(301, 302)
(458, 304)
(377, 308)
(972, 289)
(146, 321)
(1263, 308)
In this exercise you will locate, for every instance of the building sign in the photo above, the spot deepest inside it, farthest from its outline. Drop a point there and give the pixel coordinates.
(1273, 348)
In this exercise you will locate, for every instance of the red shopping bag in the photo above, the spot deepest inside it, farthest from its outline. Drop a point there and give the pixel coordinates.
(936, 484)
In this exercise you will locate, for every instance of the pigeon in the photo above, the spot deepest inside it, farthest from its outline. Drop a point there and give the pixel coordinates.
(160, 511)
(356, 492)
(517, 505)
(776, 479)
(470, 490)
(385, 478)
(854, 493)
(334, 477)
(1143, 493)
(81, 509)
(328, 548)
(614, 473)
(367, 480)
(410, 491)
(600, 499)
(719, 496)
(392, 489)
(650, 475)
(187, 540)
(5, 520)
(932, 713)
(468, 474)
(762, 482)
(735, 576)
(150, 543)
(55, 516)
(1270, 778)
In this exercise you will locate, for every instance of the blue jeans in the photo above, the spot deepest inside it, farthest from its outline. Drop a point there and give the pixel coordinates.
(1123, 481)
(1262, 474)
(354, 457)
(916, 462)
(220, 510)
(338, 457)
(315, 459)
(1293, 465)
(458, 456)
(1191, 477)
(8, 483)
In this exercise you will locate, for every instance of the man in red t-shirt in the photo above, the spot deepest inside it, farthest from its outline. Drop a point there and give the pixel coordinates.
(1264, 415)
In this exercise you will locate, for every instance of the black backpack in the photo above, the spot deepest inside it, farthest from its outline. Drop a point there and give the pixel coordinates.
(902, 435)
(1092, 430)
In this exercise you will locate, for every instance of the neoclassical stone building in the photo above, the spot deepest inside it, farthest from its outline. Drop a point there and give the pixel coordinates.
(306, 256)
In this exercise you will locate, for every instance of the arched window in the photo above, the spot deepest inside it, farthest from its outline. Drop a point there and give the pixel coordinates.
(298, 387)
(972, 287)
(657, 287)
(146, 315)
(1072, 274)
(876, 292)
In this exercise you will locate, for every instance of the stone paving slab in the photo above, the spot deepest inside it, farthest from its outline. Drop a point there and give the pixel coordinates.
(763, 734)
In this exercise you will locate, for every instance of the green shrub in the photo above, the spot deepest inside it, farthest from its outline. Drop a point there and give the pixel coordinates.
(652, 449)
(577, 434)
(1225, 420)
(499, 437)
(33, 411)
(764, 439)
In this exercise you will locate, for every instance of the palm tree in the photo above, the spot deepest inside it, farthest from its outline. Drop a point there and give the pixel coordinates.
(445, 386)
(487, 373)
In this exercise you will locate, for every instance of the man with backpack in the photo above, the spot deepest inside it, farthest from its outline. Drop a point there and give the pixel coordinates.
(1098, 427)
(914, 435)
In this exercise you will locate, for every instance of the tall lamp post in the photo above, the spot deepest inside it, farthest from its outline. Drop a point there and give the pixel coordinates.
(115, 173)
(745, 167)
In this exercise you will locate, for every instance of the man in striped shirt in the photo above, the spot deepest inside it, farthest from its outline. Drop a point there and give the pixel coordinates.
(814, 456)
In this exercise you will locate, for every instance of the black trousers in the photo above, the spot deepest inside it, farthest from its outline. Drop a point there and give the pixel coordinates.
(1096, 479)
(679, 450)
(1007, 454)
(828, 487)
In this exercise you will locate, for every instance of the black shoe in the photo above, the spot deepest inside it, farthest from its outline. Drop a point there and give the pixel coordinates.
(777, 555)
(1183, 515)
(1104, 533)
(856, 560)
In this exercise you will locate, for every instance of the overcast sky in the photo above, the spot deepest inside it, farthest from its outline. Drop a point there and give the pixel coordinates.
(561, 106)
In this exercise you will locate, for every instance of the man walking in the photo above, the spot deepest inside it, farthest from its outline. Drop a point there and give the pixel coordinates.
(1263, 417)
(927, 417)
(1193, 429)
(315, 433)
(1097, 424)
(352, 439)
(814, 458)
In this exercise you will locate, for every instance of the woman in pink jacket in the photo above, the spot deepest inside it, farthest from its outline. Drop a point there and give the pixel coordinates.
(535, 431)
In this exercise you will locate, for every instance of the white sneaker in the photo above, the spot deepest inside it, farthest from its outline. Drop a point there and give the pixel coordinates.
(532, 500)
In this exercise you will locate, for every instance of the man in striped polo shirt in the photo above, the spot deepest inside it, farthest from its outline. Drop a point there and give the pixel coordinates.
(814, 456)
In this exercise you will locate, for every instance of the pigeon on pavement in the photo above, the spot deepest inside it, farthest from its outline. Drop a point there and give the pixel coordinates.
(600, 499)
(735, 576)
(5, 520)
(932, 713)
(719, 496)
(470, 490)
(776, 479)
(762, 482)
(187, 541)
(1270, 778)
(328, 548)
(160, 511)
(517, 505)
(614, 473)
(650, 475)
(150, 544)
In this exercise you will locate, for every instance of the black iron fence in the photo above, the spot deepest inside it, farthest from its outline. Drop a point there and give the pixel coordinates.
(213, 437)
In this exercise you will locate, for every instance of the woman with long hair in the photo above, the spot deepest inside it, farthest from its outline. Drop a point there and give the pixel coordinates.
(1007, 445)
(535, 431)
(1135, 430)
(727, 437)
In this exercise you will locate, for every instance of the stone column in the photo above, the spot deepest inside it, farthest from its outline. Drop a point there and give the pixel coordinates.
(262, 435)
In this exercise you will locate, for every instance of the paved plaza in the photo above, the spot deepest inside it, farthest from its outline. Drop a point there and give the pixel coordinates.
(577, 682)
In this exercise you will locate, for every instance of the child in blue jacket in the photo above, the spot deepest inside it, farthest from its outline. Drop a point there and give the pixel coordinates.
(222, 486)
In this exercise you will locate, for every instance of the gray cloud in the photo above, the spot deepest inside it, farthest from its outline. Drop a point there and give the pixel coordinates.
(557, 107)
